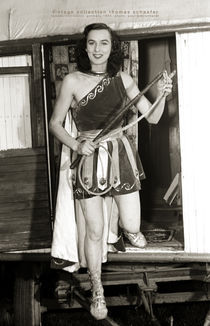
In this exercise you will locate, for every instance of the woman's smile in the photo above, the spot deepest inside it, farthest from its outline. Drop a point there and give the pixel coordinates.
(98, 56)
(98, 48)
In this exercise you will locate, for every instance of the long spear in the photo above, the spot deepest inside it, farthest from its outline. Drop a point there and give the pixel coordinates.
(110, 122)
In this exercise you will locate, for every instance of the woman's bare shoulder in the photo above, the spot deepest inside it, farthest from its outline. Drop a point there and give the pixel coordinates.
(72, 77)
(72, 81)
(127, 79)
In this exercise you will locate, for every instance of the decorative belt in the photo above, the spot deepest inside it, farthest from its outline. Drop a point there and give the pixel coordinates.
(86, 173)
(91, 134)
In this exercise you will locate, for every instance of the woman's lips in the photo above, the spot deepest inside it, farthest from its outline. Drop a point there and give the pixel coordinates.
(97, 56)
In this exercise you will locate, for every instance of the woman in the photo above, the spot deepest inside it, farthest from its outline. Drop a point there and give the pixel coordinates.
(94, 93)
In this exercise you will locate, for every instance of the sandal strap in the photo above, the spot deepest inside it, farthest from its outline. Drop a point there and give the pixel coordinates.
(134, 238)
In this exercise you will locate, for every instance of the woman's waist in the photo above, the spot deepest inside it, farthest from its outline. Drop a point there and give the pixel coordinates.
(92, 134)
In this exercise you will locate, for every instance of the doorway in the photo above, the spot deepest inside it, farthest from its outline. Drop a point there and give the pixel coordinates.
(159, 146)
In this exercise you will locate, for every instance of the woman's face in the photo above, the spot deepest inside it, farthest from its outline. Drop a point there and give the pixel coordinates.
(99, 45)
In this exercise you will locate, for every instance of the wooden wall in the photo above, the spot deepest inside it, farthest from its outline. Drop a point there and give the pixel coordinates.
(24, 203)
(24, 190)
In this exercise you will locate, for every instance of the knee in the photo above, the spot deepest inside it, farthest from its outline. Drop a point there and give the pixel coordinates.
(131, 225)
(95, 233)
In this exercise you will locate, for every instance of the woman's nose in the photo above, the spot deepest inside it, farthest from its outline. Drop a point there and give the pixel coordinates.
(97, 47)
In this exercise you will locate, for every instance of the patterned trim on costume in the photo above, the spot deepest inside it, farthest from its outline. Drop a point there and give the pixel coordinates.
(98, 89)
(127, 186)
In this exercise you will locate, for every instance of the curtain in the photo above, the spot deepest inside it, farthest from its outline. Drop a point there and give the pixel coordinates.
(193, 53)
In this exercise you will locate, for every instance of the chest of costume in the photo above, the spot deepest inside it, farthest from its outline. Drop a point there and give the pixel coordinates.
(99, 104)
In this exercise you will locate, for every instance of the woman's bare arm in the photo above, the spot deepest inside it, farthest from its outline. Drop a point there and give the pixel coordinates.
(61, 108)
(143, 105)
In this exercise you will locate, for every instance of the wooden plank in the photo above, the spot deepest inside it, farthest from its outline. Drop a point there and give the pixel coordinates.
(22, 217)
(11, 197)
(112, 301)
(20, 243)
(16, 49)
(161, 298)
(23, 160)
(23, 177)
(29, 213)
(24, 187)
(24, 256)
(8, 207)
(32, 224)
(22, 152)
(27, 235)
(37, 175)
(44, 233)
(25, 245)
(23, 167)
(37, 216)
(15, 70)
(33, 229)
(118, 278)
(30, 230)
(33, 237)
(31, 179)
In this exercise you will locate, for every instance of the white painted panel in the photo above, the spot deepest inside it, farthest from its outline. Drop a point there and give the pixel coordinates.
(15, 112)
(14, 100)
(7, 112)
(3, 140)
(5, 61)
(15, 61)
(26, 114)
(19, 110)
(11, 62)
(193, 53)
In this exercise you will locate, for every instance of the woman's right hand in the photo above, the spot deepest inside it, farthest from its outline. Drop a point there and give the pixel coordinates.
(86, 147)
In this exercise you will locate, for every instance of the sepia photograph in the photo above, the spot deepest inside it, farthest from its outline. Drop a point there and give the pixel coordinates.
(104, 163)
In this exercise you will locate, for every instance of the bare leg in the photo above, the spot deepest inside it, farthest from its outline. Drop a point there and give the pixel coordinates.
(130, 217)
(93, 213)
(130, 211)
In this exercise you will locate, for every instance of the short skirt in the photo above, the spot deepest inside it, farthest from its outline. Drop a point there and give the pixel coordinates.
(115, 165)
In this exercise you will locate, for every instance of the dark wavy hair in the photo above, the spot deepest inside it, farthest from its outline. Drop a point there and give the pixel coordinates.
(116, 56)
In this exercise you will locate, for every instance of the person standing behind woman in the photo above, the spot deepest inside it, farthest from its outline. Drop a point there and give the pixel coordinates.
(94, 93)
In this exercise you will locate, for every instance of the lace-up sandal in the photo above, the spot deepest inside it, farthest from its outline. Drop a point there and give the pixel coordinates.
(136, 239)
(98, 307)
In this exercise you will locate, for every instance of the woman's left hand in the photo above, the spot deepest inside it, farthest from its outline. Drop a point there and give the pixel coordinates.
(164, 85)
